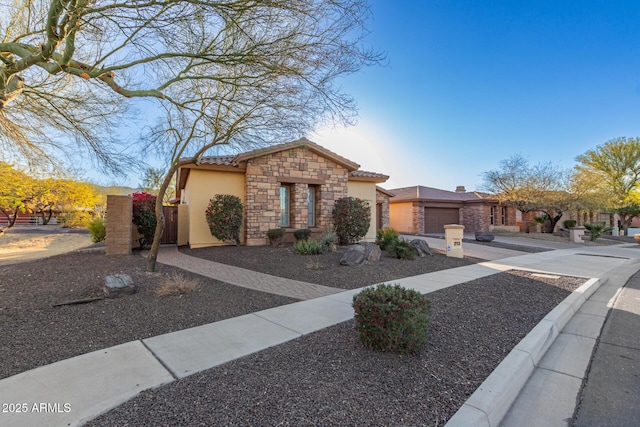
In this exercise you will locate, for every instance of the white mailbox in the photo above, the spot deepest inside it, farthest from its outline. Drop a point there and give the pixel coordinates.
(453, 240)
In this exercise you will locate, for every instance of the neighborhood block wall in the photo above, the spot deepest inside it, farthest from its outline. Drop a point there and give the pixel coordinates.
(202, 186)
(119, 226)
(365, 191)
(297, 168)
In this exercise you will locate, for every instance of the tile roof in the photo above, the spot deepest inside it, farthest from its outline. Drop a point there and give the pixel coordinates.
(420, 192)
(219, 160)
(367, 174)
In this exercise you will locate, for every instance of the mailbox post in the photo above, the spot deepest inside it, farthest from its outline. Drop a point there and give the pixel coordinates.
(453, 240)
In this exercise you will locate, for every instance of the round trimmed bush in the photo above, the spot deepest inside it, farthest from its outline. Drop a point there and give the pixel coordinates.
(392, 318)
(351, 219)
(224, 216)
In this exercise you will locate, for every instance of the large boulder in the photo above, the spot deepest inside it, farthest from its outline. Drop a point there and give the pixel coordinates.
(118, 285)
(484, 237)
(421, 247)
(353, 256)
(372, 252)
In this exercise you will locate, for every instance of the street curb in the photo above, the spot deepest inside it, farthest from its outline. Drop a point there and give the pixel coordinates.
(489, 404)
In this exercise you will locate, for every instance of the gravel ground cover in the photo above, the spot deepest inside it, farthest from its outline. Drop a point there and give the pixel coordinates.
(325, 269)
(328, 379)
(34, 333)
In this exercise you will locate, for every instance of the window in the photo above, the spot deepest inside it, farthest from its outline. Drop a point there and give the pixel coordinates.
(285, 203)
(504, 216)
(492, 216)
(311, 206)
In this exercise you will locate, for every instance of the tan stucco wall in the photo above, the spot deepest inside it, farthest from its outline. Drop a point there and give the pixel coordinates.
(201, 187)
(183, 225)
(401, 217)
(365, 191)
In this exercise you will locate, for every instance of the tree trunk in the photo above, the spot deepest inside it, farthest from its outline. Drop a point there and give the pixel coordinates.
(157, 235)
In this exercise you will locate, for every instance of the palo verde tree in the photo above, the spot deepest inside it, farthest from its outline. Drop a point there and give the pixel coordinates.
(236, 72)
(542, 187)
(615, 166)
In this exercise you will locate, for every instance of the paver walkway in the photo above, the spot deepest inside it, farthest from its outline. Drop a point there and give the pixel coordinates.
(170, 255)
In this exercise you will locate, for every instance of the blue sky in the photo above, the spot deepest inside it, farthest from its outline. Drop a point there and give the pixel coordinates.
(470, 83)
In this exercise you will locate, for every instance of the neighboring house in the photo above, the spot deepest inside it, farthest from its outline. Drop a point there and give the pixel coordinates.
(423, 210)
(292, 186)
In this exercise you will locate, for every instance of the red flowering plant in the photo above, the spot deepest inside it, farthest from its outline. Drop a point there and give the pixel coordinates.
(392, 318)
(224, 216)
(351, 219)
(144, 216)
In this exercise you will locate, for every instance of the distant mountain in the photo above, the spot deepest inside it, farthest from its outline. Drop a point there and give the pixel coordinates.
(113, 190)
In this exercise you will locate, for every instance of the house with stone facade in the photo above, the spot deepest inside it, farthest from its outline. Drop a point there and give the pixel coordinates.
(424, 210)
(290, 186)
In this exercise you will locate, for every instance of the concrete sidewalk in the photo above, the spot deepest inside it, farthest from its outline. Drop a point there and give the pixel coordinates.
(78, 389)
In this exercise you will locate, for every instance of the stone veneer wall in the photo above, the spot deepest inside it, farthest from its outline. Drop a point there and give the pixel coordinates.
(383, 199)
(119, 225)
(418, 218)
(298, 168)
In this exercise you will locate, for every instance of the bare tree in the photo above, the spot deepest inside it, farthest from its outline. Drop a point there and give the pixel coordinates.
(542, 187)
(237, 72)
(67, 67)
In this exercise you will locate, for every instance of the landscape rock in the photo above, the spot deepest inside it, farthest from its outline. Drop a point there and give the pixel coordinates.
(484, 237)
(421, 247)
(372, 252)
(353, 256)
(118, 285)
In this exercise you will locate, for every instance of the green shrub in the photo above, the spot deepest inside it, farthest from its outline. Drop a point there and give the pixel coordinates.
(351, 219)
(302, 234)
(402, 249)
(307, 247)
(144, 216)
(392, 318)
(570, 223)
(385, 237)
(98, 229)
(597, 230)
(74, 219)
(275, 236)
(224, 216)
(328, 241)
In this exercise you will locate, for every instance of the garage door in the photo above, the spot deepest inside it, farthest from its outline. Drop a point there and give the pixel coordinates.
(436, 218)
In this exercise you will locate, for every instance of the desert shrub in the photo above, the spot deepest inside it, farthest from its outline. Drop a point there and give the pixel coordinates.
(275, 236)
(224, 216)
(302, 234)
(392, 318)
(98, 229)
(351, 219)
(385, 237)
(144, 216)
(307, 247)
(328, 241)
(315, 265)
(597, 230)
(402, 249)
(570, 223)
(178, 284)
(74, 219)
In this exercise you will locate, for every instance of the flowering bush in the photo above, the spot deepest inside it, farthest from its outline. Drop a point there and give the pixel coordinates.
(144, 216)
(392, 318)
(224, 216)
(351, 219)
